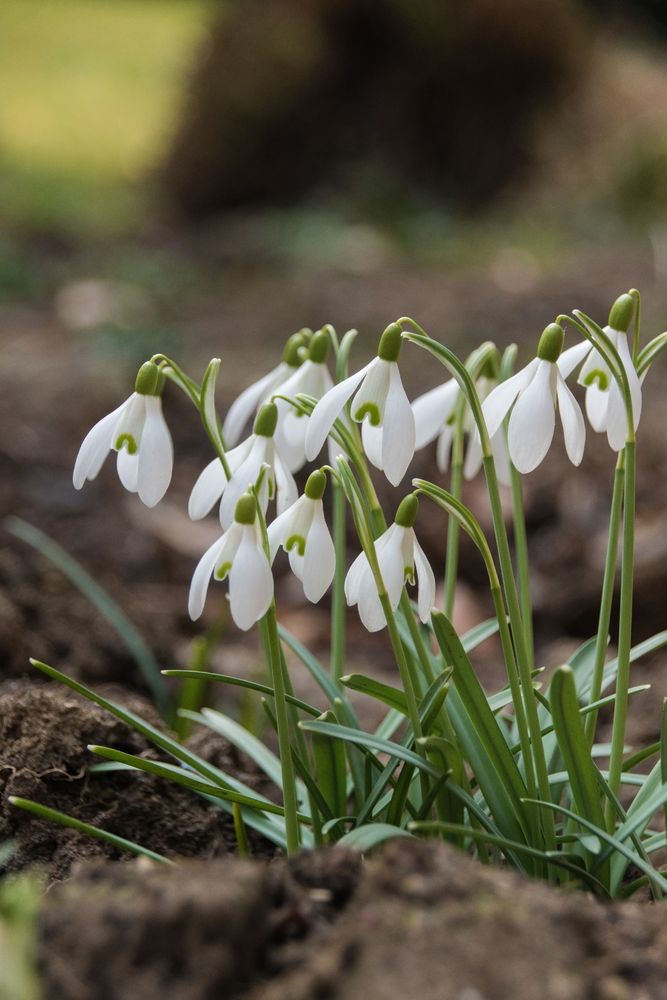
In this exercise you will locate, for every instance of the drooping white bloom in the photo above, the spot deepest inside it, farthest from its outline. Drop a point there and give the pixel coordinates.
(256, 462)
(303, 533)
(380, 405)
(245, 406)
(435, 413)
(238, 554)
(605, 406)
(137, 431)
(399, 556)
(312, 378)
(532, 395)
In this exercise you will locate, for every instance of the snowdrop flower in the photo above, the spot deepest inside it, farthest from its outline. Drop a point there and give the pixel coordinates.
(532, 396)
(303, 533)
(380, 405)
(245, 405)
(605, 407)
(435, 413)
(399, 555)
(312, 378)
(256, 462)
(238, 554)
(138, 432)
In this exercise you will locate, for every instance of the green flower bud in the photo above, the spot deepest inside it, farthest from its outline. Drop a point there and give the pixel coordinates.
(391, 342)
(316, 485)
(148, 381)
(319, 347)
(551, 343)
(266, 420)
(407, 511)
(621, 313)
(295, 348)
(246, 509)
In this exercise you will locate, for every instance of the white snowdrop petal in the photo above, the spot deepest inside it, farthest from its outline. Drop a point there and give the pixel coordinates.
(319, 562)
(131, 421)
(127, 467)
(443, 448)
(286, 489)
(290, 438)
(244, 406)
(398, 429)
(369, 607)
(425, 583)
(354, 577)
(243, 477)
(207, 490)
(432, 410)
(202, 577)
(327, 409)
(533, 420)
(156, 455)
(572, 419)
(250, 581)
(391, 558)
(633, 378)
(371, 439)
(282, 527)
(472, 462)
(501, 457)
(499, 402)
(95, 447)
(573, 356)
(373, 390)
(597, 401)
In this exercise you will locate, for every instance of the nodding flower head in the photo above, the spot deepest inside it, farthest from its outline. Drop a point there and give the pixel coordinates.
(400, 557)
(303, 533)
(245, 406)
(137, 431)
(257, 463)
(238, 555)
(311, 379)
(379, 404)
(531, 398)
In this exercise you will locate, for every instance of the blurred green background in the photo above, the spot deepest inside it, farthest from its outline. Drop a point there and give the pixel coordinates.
(165, 147)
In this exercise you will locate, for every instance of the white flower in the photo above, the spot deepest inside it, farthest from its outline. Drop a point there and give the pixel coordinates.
(434, 414)
(311, 379)
(245, 406)
(138, 432)
(303, 533)
(399, 556)
(532, 395)
(256, 462)
(238, 554)
(605, 407)
(388, 431)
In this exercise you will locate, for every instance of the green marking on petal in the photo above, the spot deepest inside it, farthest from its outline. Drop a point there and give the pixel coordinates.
(222, 571)
(409, 574)
(127, 441)
(296, 541)
(597, 375)
(369, 410)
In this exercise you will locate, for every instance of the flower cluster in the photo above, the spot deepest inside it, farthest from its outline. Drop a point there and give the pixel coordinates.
(508, 419)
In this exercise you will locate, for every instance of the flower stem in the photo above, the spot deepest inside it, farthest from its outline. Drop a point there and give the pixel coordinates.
(338, 591)
(519, 641)
(624, 628)
(269, 627)
(452, 554)
(521, 557)
(607, 595)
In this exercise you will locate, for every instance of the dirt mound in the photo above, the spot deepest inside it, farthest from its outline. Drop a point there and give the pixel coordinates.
(44, 731)
(418, 920)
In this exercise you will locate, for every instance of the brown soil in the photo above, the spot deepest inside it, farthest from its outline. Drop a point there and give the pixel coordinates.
(419, 920)
(44, 731)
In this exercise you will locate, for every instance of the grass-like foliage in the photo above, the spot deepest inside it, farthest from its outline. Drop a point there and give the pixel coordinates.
(515, 776)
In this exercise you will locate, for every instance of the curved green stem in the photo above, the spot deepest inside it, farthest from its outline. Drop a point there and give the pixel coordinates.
(456, 484)
(338, 591)
(607, 595)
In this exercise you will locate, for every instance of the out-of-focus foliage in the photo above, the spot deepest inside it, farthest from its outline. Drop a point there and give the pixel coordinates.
(19, 900)
(388, 95)
(88, 89)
